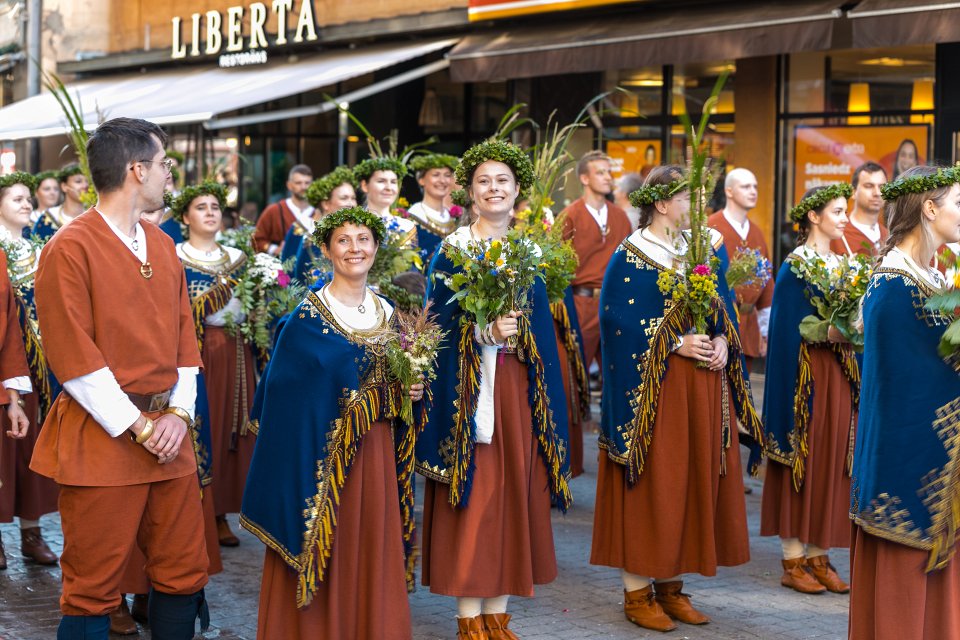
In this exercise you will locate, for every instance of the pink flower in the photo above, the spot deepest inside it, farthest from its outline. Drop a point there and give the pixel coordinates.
(283, 279)
(403, 213)
(456, 211)
(702, 270)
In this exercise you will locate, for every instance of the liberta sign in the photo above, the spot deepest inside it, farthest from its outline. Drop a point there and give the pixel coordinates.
(213, 32)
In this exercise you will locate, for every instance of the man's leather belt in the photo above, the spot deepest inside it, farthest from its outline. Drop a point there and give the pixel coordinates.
(155, 402)
(587, 292)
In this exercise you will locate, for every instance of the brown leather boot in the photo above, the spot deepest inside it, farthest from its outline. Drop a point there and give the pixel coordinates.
(676, 604)
(3, 556)
(641, 609)
(496, 626)
(139, 609)
(826, 574)
(797, 577)
(471, 629)
(120, 621)
(227, 539)
(33, 546)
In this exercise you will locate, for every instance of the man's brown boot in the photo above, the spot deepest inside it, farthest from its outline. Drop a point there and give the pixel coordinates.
(797, 577)
(33, 546)
(471, 629)
(676, 604)
(496, 626)
(826, 574)
(642, 609)
(227, 539)
(120, 621)
(3, 556)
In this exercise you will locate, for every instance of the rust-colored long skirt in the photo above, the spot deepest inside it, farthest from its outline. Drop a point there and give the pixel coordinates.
(135, 578)
(501, 543)
(364, 592)
(25, 493)
(818, 513)
(230, 395)
(683, 515)
(893, 598)
(574, 419)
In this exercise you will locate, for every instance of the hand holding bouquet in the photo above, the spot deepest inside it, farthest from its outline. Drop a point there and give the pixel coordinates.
(495, 276)
(412, 355)
(836, 293)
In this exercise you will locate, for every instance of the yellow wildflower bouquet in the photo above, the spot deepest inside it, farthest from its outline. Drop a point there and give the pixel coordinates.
(693, 286)
(494, 277)
(835, 293)
(558, 256)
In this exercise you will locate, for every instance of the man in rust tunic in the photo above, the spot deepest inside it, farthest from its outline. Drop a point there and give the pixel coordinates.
(277, 218)
(865, 234)
(738, 233)
(596, 228)
(116, 323)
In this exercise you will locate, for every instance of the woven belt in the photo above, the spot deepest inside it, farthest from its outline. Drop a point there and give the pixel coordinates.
(149, 403)
(587, 292)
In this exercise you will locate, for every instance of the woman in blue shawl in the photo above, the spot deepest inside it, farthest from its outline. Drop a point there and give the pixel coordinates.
(669, 485)
(810, 406)
(905, 501)
(494, 452)
(330, 489)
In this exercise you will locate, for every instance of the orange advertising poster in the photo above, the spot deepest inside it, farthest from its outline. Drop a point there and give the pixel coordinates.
(633, 156)
(827, 155)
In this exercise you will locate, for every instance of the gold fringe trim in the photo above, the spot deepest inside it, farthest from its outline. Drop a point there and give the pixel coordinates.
(210, 301)
(543, 418)
(468, 389)
(851, 371)
(37, 361)
(363, 410)
(739, 382)
(943, 495)
(572, 347)
(801, 416)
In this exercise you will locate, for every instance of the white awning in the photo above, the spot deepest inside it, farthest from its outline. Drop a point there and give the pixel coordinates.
(194, 94)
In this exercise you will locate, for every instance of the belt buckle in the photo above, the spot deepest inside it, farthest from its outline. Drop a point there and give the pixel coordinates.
(158, 401)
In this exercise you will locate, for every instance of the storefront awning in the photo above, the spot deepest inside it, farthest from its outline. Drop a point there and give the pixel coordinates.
(647, 37)
(192, 94)
(889, 23)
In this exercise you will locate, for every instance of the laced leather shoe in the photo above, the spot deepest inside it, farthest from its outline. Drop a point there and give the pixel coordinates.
(796, 576)
(677, 604)
(33, 546)
(826, 574)
(642, 609)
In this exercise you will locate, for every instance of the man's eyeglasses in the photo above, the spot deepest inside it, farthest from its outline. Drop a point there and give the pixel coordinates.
(166, 162)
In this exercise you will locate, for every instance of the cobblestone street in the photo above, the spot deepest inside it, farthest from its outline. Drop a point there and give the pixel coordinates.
(585, 602)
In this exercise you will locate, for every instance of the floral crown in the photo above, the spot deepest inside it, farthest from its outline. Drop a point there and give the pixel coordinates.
(356, 215)
(500, 151)
(650, 193)
(46, 175)
(460, 197)
(820, 197)
(434, 161)
(69, 170)
(19, 177)
(365, 169)
(944, 177)
(180, 203)
(321, 189)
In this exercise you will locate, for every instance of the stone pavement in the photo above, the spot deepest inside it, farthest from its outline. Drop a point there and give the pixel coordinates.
(585, 602)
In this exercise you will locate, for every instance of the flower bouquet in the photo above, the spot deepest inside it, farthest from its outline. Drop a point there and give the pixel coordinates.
(558, 258)
(412, 356)
(835, 292)
(265, 293)
(239, 238)
(396, 255)
(947, 302)
(693, 285)
(749, 267)
(495, 276)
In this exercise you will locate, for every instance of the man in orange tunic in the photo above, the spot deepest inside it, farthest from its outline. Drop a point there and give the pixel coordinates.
(596, 228)
(732, 222)
(118, 330)
(865, 234)
(277, 218)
